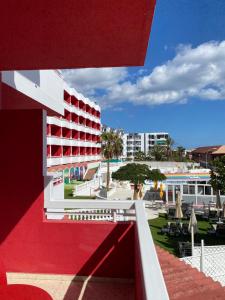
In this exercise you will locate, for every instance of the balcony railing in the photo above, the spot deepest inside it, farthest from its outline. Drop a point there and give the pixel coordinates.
(149, 281)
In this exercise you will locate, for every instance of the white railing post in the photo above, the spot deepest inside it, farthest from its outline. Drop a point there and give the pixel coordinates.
(192, 241)
(114, 216)
(202, 257)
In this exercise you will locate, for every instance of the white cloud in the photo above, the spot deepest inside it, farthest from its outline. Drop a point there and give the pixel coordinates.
(193, 72)
(89, 80)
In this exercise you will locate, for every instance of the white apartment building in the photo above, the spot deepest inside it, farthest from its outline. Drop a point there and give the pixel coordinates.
(134, 142)
(119, 131)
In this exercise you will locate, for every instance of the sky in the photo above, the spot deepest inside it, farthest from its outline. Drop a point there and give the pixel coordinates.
(181, 87)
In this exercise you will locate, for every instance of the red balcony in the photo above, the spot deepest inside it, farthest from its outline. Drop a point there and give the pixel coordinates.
(67, 115)
(82, 150)
(67, 97)
(75, 135)
(74, 101)
(56, 151)
(75, 151)
(75, 118)
(82, 121)
(125, 230)
(81, 105)
(66, 150)
(82, 136)
(105, 250)
(56, 131)
(66, 133)
(88, 122)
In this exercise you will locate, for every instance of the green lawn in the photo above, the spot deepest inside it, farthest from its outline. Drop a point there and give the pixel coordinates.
(171, 243)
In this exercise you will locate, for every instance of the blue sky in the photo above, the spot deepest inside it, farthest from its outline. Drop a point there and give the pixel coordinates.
(181, 88)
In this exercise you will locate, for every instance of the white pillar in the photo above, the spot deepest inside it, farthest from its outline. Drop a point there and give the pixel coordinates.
(202, 257)
(167, 197)
(192, 240)
(181, 191)
(173, 193)
(196, 195)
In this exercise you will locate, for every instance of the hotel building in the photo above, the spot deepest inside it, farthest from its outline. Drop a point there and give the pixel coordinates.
(135, 142)
(73, 141)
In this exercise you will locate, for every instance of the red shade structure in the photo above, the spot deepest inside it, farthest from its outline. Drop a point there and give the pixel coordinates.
(56, 34)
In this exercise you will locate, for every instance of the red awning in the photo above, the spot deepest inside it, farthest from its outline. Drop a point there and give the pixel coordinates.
(60, 34)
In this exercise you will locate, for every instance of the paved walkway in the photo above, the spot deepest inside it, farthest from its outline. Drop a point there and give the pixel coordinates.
(122, 194)
(125, 194)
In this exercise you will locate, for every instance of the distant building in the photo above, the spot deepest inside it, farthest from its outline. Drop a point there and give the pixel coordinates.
(135, 142)
(119, 131)
(205, 155)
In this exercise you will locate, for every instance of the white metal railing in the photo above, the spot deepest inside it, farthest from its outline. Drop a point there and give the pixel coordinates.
(152, 281)
(209, 261)
(86, 186)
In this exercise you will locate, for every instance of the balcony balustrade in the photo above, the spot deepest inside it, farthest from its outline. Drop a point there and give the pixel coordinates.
(148, 278)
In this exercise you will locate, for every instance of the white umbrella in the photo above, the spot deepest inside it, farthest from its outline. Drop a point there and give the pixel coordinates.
(178, 212)
(223, 215)
(193, 221)
(193, 228)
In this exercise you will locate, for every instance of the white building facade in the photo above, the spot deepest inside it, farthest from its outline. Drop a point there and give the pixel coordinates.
(135, 142)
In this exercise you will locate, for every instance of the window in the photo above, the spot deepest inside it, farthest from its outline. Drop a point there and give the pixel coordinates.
(207, 190)
(185, 189)
(191, 189)
(200, 190)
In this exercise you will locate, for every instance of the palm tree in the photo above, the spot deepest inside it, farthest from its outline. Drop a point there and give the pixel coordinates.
(135, 173)
(180, 152)
(157, 152)
(155, 176)
(112, 146)
(169, 145)
(118, 145)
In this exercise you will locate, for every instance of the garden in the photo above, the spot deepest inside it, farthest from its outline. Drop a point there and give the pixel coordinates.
(171, 242)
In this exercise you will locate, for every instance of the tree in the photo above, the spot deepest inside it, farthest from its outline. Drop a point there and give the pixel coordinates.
(140, 155)
(135, 173)
(157, 152)
(217, 178)
(118, 146)
(169, 145)
(155, 176)
(112, 146)
(180, 152)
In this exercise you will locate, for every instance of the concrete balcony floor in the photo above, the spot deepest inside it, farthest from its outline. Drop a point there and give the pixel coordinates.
(66, 287)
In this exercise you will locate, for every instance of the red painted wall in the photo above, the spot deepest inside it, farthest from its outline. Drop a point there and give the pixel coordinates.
(31, 244)
(96, 33)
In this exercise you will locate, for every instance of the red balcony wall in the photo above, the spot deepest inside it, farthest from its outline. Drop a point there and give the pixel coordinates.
(31, 244)
(48, 150)
(66, 150)
(75, 151)
(66, 132)
(75, 135)
(56, 131)
(67, 97)
(48, 129)
(56, 150)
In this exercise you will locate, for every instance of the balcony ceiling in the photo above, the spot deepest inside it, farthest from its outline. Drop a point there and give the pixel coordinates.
(60, 34)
